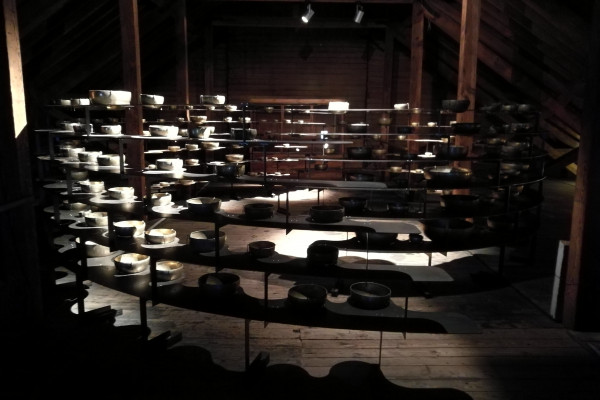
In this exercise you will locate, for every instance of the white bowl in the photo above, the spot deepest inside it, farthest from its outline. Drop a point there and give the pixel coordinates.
(161, 199)
(110, 97)
(210, 145)
(121, 192)
(129, 228)
(80, 102)
(96, 218)
(110, 129)
(88, 186)
(67, 126)
(78, 174)
(169, 164)
(198, 119)
(230, 107)
(191, 161)
(132, 263)
(191, 146)
(152, 99)
(212, 99)
(201, 132)
(174, 148)
(234, 157)
(73, 151)
(401, 106)
(160, 235)
(163, 130)
(168, 270)
(88, 156)
(110, 159)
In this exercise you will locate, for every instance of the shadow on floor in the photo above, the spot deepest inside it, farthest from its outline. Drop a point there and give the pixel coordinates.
(89, 357)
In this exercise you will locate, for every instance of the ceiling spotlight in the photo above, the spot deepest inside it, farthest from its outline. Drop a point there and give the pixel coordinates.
(308, 14)
(359, 13)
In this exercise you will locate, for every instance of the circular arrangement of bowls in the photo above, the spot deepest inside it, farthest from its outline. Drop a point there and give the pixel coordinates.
(258, 210)
(376, 238)
(96, 218)
(121, 192)
(163, 130)
(219, 284)
(203, 205)
(369, 295)
(459, 202)
(261, 248)
(359, 153)
(161, 198)
(91, 186)
(447, 176)
(306, 296)
(169, 164)
(205, 241)
(326, 213)
(132, 263)
(322, 255)
(160, 235)
(110, 97)
(353, 205)
(129, 228)
(168, 270)
(449, 230)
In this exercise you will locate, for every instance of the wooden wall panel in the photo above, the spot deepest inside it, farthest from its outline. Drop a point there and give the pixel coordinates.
(313, 64)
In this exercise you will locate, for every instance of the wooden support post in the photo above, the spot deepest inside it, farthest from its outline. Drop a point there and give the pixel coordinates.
(183, 89)
(21, 297)
(132, 79)
(582, 284)
(416, 55)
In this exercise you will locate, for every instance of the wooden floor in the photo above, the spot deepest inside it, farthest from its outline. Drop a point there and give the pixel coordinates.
(520, 353)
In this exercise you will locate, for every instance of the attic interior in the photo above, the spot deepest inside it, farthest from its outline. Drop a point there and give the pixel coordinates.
(528, 52)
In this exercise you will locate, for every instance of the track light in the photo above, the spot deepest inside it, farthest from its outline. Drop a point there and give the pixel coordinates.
(308, 14)
(359, 13)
